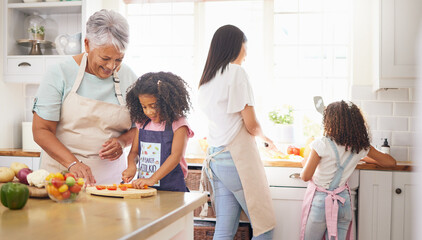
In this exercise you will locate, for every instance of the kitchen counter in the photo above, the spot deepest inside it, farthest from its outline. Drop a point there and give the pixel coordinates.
(17, 153)
(401, 166)
(95, 217)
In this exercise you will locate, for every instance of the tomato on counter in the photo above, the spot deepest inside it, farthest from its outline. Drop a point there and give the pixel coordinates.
(293, 150)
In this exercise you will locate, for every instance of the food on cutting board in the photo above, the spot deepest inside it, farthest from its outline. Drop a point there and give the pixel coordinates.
(22, 175)
(63, 188)
(17, 166)
(6, 174)
(14, 195)
(114, 187)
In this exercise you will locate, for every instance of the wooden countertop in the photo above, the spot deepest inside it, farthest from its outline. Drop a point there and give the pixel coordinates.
(401, 166)
(17, 153)
(95, 217)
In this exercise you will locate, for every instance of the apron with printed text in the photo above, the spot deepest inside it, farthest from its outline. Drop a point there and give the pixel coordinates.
(84, 125)
(331, 201)
(154, 149)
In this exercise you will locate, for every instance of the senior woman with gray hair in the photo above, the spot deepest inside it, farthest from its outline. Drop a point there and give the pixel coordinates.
(80, 119)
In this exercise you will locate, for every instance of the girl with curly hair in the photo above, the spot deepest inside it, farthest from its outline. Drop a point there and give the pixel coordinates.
(158, 104)
(326, 208)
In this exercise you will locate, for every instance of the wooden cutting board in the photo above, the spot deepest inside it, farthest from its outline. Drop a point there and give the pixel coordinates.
(129, 193)
(34, 192)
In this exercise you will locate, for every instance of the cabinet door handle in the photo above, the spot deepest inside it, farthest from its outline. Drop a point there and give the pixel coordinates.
(295, 175)
(398, 190)
(24, 64)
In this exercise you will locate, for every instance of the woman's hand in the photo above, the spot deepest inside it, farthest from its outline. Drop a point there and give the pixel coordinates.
(141, 182)
(128, 174)
(81, 170)
(112, 149)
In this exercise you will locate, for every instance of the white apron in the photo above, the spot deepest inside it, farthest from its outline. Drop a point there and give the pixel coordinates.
(85, 124)
(250, 168)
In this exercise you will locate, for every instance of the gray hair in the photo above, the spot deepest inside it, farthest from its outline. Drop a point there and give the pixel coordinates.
(107, 27)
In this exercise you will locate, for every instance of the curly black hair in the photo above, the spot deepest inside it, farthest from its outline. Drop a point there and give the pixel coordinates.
(345, 124)
(173, 99)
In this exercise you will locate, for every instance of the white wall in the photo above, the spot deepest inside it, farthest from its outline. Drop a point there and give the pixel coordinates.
(11, 104)
(362, 43)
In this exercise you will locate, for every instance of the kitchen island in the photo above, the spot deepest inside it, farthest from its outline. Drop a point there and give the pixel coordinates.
(164, 216)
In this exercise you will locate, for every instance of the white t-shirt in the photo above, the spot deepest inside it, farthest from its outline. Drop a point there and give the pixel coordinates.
(222, 99)
(326, 168)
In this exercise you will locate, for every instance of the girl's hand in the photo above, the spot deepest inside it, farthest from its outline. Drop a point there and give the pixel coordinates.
(128, 174)
(112, 149)
(141, 182)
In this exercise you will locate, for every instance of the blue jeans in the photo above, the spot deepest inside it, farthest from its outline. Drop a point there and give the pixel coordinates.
(316, 226)
(229, 197)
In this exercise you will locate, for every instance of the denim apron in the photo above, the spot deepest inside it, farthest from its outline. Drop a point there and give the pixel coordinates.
(85, 124)
(154, 149)
(331, 200)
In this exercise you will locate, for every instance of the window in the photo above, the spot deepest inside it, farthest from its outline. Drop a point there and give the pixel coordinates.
(297, 49)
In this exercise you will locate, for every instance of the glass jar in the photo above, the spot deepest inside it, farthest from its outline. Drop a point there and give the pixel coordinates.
(34, 27)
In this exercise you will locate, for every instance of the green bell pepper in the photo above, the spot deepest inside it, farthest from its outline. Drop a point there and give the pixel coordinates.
(14, 195)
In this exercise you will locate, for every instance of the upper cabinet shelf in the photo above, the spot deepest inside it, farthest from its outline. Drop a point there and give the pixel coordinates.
(47, 7)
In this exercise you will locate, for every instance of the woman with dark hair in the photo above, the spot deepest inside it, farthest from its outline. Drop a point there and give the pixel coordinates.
(233, 164)
(329, 166)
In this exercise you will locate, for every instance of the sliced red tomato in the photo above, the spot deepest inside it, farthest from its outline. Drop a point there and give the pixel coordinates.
(123, 187)
(112, 187)
(100, 187)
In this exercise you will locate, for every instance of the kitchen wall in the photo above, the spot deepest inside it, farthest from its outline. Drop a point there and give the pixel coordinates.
(11, 104)
(390, 114)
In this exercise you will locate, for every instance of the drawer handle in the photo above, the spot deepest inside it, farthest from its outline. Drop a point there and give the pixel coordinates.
(295, 175)
(24, 64)
(398, 190)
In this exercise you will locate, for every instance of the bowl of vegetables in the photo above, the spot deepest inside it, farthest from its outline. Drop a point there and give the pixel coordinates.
(63, 187)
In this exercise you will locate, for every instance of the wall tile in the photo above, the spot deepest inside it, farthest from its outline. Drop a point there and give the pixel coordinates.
(372, 123)
(412, 96)
(412, 154)
(401, 154)
(401, 94)
(393, 123)
(414, 123)
(403, 138)
(404, 109)
(363, 93)
(377, 108)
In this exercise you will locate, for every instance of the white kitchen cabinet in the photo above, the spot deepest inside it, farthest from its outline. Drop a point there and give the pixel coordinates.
(70, 17)
(287, 192)
(385, 205)
(32, 162)
(401, 211)
(396, 42)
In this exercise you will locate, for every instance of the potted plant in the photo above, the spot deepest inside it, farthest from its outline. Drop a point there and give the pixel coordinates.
(283, 120)
(37, 32)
